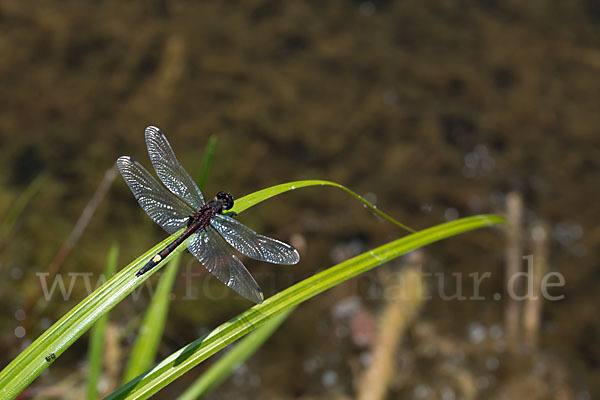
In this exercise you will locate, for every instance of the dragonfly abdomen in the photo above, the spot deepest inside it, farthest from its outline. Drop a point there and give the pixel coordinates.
(161, 255)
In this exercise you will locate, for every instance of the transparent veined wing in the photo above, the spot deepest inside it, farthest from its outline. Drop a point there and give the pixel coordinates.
(212, 251)
(253, 245)
(166, 209)
(169, 170)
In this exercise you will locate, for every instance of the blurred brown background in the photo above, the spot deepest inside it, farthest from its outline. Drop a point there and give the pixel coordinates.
(435, 109)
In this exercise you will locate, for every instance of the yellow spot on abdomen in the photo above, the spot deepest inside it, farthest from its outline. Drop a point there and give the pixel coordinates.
(157, 258)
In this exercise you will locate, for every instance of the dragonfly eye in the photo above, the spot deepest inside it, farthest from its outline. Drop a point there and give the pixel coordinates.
(226, 199)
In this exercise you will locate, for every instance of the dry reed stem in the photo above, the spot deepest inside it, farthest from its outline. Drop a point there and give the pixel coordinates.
(513, 254)
(398, 314)
(532, 309)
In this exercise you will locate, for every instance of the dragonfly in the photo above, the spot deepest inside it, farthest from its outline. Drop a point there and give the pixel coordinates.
(208, 233)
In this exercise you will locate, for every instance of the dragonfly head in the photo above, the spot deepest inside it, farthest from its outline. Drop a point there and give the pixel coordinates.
(225, 199)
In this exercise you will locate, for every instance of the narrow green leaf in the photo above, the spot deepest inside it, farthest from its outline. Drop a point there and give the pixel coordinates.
(207, 162)
(153, 324)
(96, 348)
(264, 194)
(56, 339)
(234, 357)
(188, 357)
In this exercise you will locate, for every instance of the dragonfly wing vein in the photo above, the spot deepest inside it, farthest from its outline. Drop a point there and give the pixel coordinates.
(212, 251)
(169, 170)
(166, 209)
(252, 244)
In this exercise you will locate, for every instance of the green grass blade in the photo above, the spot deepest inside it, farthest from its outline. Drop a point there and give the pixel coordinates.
(19, 206)
(31, 362)
(234, 357)
(96, 348)
(186, 358)
(207, 162)
(153, 325)
(262, 195)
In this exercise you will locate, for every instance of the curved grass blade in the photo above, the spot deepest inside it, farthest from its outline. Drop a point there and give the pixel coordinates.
(188, 357)
(31, 362)
(153, 324)
(247, 201)
(96, 349)
(243, 350)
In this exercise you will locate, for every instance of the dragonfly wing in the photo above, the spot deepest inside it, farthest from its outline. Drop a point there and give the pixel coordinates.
(169, 170)
(212, 251)
(166, 209)
(253, 245)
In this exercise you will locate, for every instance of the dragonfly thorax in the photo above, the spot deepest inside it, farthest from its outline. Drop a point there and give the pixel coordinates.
(222, 201)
